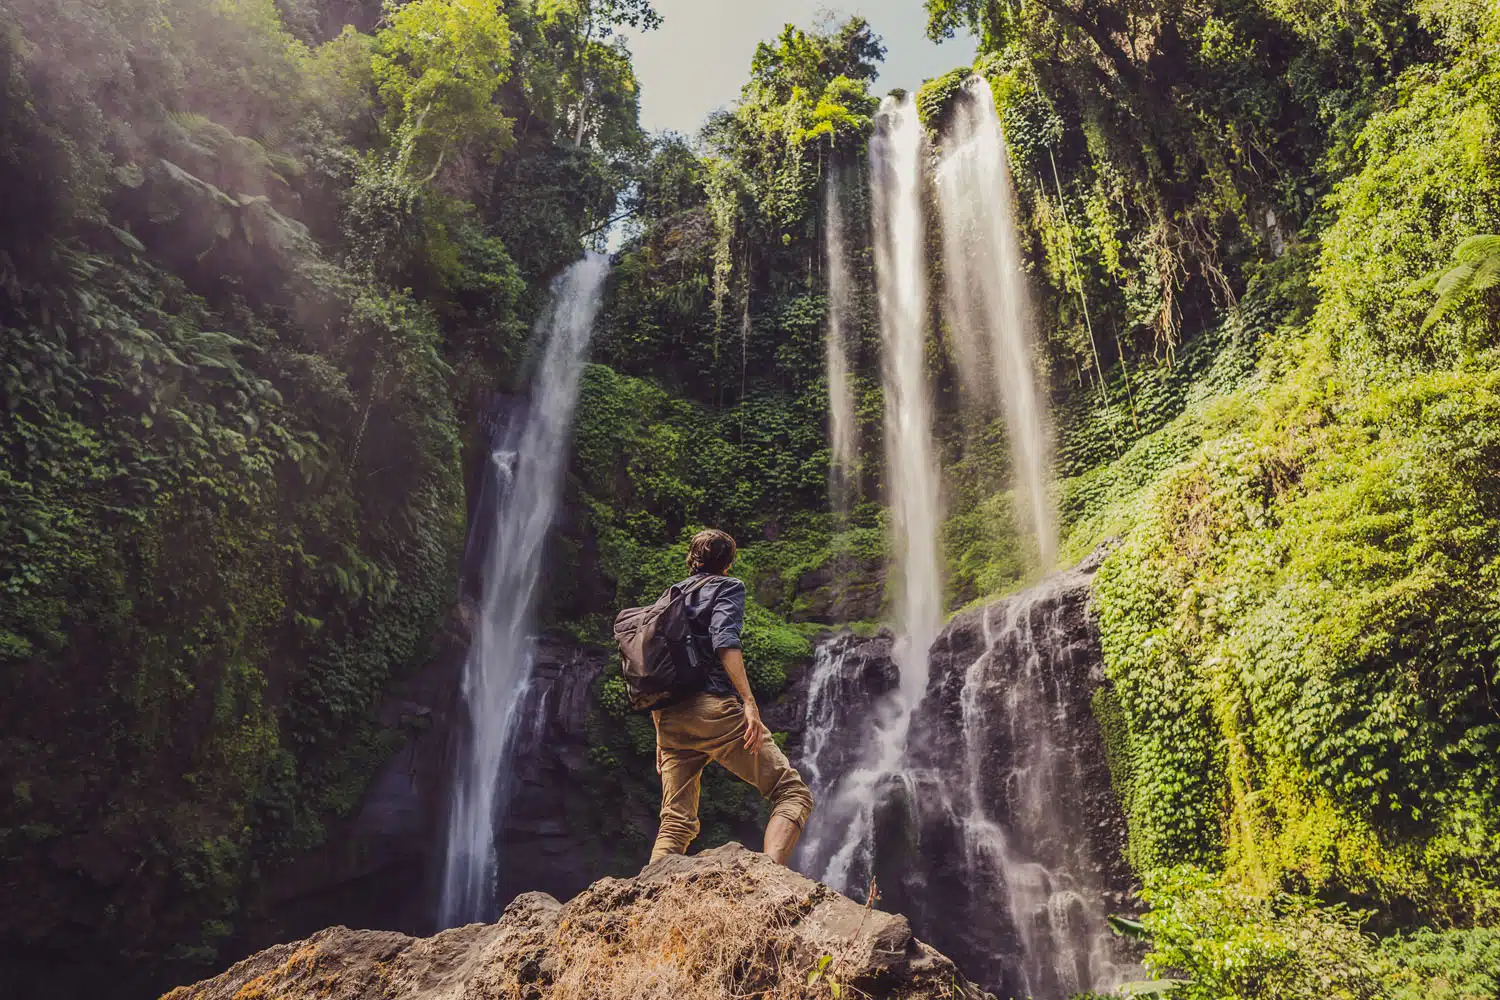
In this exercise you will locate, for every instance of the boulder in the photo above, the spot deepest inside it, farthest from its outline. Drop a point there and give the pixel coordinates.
(727, 922)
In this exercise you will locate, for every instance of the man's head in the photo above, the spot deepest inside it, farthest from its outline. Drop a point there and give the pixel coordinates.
(710, 551)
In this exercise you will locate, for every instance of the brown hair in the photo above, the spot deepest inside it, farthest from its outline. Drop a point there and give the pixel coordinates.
(711, 551)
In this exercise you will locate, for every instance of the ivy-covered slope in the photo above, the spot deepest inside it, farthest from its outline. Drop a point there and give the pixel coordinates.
(255, 269)
(1240, 223)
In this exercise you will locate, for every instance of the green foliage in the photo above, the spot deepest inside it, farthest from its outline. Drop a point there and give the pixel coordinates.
(650, 463)
(1288, 600)
(771, 646)
(1214, 940)
(1230, 944)
(236, 316)
(985, 552)
(1427, 184)
(437, 68)
(1443, 965)
(937, 95)
(769, 155)
(1298, 625)
(590, 86)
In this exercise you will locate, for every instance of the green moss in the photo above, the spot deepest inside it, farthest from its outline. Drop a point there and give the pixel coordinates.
(1114, 734)
(1444, 965)
(986, 555)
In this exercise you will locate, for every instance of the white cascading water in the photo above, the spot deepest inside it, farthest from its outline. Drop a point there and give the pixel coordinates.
(841, 430)
(987, 301)
(838, 841)
(527, 468)
(1021, 823)
(896, 158)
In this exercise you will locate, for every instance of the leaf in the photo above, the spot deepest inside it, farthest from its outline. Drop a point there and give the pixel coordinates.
(1476, 268)
(1128, 928)
(1149, 987)
(1477, 248)
(128, 238)
(130, 175)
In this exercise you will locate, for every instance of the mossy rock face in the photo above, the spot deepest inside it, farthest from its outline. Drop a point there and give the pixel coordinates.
(845, 588)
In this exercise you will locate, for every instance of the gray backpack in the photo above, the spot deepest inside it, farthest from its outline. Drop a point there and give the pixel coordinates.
(656, 648)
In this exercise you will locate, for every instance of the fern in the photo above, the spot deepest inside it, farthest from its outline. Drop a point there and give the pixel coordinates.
(1476, 268)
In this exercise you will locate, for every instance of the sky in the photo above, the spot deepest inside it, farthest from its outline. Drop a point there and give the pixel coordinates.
(700, 56)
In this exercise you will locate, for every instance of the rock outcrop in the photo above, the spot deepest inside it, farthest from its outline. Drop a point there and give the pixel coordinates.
(727, 922)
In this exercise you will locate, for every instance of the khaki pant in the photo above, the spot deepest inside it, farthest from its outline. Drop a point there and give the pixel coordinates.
(709, 727)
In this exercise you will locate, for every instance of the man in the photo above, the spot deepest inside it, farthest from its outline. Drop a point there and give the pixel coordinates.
(721, 722)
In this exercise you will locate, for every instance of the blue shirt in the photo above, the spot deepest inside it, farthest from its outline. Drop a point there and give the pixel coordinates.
(716, 613)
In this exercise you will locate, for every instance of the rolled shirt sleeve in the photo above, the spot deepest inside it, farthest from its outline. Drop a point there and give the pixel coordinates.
(727, 618)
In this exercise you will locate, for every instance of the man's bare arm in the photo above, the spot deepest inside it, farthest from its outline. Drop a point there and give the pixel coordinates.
(734, 666)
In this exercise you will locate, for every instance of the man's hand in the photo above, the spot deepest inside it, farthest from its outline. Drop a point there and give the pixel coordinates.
(755, 733)
(734, 665)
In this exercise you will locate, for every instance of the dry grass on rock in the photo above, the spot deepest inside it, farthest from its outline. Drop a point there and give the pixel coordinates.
(713, 936)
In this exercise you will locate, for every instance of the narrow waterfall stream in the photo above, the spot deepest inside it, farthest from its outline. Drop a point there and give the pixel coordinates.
(987, 302)
(844, 469)
(525, 479)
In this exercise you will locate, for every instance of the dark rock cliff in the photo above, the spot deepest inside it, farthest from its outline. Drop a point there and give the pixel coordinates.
(1000, 834)
(379, 869)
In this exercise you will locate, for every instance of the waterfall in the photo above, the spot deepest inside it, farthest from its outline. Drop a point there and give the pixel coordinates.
(525, 479)
(896, 159)
(962, 766)
(844, 471)
(999, 835)
(838, 841)
(986, 301)
(1026, 836)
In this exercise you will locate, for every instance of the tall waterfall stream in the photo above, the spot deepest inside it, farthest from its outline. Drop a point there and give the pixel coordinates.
(526, 467)
(987, 302)
(956, 781)
(838, 838)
